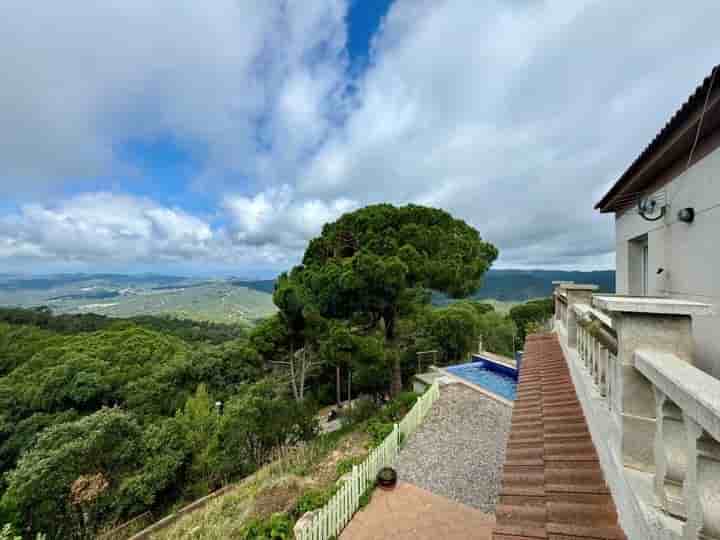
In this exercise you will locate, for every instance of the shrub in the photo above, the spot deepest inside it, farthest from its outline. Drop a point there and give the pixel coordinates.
(362, 410)
(345, 465)
(7, 533)
(367, 496)
(398, 408)
(314, 499)
(378, 430)
(276, 527)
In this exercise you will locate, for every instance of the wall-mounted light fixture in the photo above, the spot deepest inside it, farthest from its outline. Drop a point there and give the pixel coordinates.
(647, 206)
(686, 215)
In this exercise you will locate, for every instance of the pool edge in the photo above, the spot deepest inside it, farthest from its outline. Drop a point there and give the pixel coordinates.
(476, 387)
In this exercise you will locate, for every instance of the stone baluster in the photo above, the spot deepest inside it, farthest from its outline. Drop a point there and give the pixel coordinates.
(611, 376)
(659, 324)
(702, 483)
(588, 352)
(707, 486)
(596, 362)
(602, 381)
(670, 455)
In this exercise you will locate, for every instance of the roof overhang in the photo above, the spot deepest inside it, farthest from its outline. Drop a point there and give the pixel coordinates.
(670, 147)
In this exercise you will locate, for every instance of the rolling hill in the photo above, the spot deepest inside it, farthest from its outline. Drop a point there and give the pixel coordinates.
(232, 300)
(503, 285)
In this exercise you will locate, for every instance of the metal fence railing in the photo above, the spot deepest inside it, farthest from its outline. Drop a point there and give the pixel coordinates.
(331, 519)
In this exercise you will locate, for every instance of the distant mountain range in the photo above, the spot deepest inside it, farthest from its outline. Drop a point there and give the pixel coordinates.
(523, 284)
(231, 299)
(119, 295)
(505, 285)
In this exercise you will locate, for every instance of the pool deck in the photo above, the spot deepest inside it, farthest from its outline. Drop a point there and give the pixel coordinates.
(509, 362)
(476, 387)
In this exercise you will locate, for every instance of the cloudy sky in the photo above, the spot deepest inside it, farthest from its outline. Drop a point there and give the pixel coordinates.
(218, 137)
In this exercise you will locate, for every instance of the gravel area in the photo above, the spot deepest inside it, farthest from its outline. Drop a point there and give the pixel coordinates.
(459, 449)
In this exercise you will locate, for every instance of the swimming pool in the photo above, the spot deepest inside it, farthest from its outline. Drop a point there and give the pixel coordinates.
(496, 378)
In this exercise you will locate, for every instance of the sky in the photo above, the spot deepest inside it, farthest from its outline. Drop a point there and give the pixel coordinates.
(217, 137)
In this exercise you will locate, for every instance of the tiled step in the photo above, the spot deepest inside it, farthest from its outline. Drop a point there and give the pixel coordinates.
(524, 454)
(528, 481)
(521, 516)
(582, 515)
(572, 450)
(532, 435)
(574, 476)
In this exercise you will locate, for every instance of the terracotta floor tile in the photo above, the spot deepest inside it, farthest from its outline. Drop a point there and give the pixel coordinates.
(411, 513)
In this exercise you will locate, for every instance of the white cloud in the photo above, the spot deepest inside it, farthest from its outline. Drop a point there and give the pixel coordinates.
(246, 82)
(102, 226)
(277, 218)
(269, 230)
(514, 115)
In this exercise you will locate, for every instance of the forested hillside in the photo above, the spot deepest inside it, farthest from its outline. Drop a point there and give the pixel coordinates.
(110, 418)
(505, 285)
(521, 285)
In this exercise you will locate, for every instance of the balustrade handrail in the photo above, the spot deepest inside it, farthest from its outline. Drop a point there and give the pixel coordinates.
(695, 392)
(585, 309)
(597, 323)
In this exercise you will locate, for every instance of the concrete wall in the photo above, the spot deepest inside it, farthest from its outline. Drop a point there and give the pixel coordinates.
(688, 253)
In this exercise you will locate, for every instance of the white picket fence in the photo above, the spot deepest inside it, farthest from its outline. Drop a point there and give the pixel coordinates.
(331, 519)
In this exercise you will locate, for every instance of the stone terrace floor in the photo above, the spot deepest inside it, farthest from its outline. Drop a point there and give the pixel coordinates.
(412, 513)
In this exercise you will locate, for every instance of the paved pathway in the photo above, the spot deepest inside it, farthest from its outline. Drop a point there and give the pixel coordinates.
(412, 513)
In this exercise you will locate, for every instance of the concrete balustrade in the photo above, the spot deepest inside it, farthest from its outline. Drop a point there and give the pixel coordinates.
(687, 444)
(657, 324)
(654, 417)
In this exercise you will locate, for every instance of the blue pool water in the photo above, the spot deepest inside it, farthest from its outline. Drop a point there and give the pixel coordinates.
(496, 378)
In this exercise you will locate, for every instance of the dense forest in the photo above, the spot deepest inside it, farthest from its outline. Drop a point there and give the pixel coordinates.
(102, 419)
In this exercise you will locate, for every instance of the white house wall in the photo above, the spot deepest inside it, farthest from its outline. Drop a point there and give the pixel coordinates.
(688, 253)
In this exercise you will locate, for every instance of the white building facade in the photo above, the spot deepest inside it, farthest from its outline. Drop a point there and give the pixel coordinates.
(667, 217)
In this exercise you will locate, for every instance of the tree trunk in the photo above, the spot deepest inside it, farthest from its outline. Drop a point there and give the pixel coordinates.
(396, 383)
(349, 389)
(301, 382)
(292, 373)
(337, 385)
(389, 318)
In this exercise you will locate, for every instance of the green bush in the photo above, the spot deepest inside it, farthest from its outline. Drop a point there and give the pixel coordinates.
(367, 496)
(276, 527)
(378, 430)
(7, 533)
(398, 408)
(362, 410)
(345, 465)
(314, 499)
